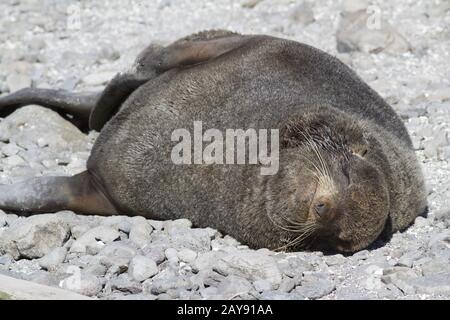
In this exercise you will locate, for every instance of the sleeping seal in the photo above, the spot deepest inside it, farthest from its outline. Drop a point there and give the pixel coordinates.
(347, 170)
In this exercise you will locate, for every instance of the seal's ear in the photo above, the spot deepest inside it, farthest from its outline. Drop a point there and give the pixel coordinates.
(115, 93)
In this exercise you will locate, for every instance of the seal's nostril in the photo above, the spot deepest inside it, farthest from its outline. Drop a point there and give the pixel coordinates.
(321, 208)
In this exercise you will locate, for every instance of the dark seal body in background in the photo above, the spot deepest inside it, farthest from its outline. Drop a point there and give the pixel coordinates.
(347, 167)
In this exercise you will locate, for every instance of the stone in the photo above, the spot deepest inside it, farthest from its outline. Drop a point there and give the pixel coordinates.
(165, 281)
(117, 254)
(171, 255)
(262, 285)
(125, 284)
(435, 266)
(408, 258)
(142, 268)
(28, 124)
(302, 14)
(177, 224)
(118, 222)
(84, 284)
(286, 285)
(51, 260)
(95, 239)
(17, 81)
(155, 252)
(369, 33)
(401, 277)
(436, 284)
(34, 237)
(10, 149)
(3, 218)
(230, 288)
(156, 224)
(99, 78)
(185, 255)
(26, 290)
(432, 146)
(293, 266)
(354, 5)
(140, 232)
(250, 265)
(315, 287)
(336, 259)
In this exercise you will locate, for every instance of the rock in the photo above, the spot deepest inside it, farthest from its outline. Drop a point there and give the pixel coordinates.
(250, 265)
(439, 215)
(275, 295)
(315, 287)
(94, 239)
(294, 266)
(185, 255)
(444, 153)
(231, 287)
(303, 14)
(117, 254)
(440, 95)
(354, 5)
(5, 260)
(28, 124)
(10, 149)
(262, 285)
(433, 145)
(408, 259)
(13, 161)
(82, 283)
(170, 225)
(142, 268)
(156, 253)
(171, 255)
(17, 81)
(436, 284)
(34, 237)
(401, 277)
(157, 225)
(165, 281)
(118, 222)
(439, 245)
(197, 240)
(3, 218)
(250, 4)
(359, 31)
(435, 266)
(125, 284)
(286, 285)
(98, 78)
(336, 259)
(140, 232)
(51, 260)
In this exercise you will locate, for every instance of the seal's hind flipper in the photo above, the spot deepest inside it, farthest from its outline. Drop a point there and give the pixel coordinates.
(156, 60)
(78, 105)
(116, 92)
(80, 193)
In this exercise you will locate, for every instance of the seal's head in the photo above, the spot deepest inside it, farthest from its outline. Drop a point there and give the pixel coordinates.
(332, 193)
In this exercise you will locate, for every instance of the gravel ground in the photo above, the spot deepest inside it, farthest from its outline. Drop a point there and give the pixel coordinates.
(402, 50)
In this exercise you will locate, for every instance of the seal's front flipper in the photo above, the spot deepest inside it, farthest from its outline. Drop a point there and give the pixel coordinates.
(80, 193)
(78, 105)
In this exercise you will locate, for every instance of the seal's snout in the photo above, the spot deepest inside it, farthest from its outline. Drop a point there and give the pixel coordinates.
(324, 209)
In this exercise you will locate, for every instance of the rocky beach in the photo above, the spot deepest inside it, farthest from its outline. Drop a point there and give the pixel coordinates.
(401, 49)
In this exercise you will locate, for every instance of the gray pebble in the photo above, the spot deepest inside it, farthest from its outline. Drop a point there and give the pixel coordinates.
(142, 268)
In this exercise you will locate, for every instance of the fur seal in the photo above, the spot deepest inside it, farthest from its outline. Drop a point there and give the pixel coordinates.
(347, 169)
